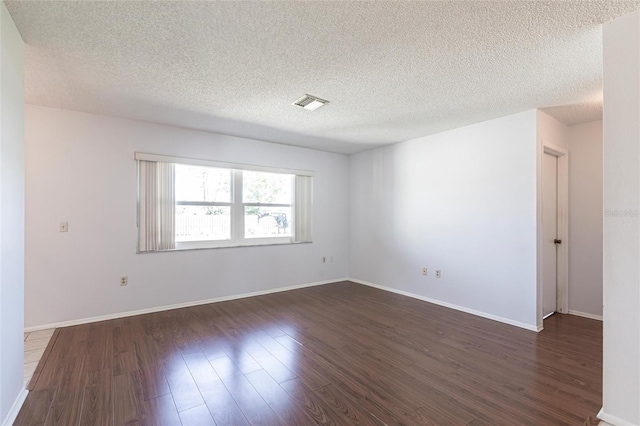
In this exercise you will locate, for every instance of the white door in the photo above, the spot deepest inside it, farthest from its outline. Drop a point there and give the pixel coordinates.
(550, 232)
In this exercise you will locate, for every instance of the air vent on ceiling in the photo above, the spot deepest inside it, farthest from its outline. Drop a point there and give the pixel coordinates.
(310, 102)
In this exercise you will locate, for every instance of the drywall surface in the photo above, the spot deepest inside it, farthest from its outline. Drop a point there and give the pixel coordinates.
(551, 131)
(11, 212)
(585, 218)
(392, 70)
(463, 202)
(621, 227)
(80, 170)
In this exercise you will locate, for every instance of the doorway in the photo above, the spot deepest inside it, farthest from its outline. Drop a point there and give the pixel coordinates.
(554, 231)
(550, 234)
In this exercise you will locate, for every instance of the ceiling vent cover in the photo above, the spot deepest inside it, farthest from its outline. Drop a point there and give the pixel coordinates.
(310, 102)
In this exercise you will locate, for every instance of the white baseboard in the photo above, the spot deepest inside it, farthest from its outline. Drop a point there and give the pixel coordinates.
(175, 306)
(586, 315)
(451, 306)
(616, 421)
(15, 408)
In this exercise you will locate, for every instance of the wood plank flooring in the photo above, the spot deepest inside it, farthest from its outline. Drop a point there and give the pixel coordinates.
(337, 354)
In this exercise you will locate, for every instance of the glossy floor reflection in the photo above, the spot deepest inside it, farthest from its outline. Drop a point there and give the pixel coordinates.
(334, 354)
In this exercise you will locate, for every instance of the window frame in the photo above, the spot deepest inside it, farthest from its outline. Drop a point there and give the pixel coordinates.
(237, 215)
(237, 204)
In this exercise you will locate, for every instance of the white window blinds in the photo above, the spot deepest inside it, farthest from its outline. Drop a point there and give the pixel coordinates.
(156, 206)
(303, 206)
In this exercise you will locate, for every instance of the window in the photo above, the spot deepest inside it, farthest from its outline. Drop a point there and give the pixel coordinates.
(266, 204)
(187, 204)
(203, 203)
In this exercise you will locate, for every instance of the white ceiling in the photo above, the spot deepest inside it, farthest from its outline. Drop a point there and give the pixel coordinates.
(392, 71)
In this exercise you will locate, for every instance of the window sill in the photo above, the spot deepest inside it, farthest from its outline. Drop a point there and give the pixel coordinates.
(191, 246)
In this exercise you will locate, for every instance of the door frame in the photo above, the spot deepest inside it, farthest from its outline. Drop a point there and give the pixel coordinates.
(562, 266)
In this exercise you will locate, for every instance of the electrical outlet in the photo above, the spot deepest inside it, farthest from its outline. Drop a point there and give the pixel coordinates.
(124, 281)
(64, 226)
(424, 271)
(438, 273)
(324, 259)
(331, 259)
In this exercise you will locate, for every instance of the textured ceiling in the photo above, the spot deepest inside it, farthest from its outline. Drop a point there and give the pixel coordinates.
(392, 71)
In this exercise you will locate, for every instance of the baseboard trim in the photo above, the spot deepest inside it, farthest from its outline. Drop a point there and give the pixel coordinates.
(176, 306)
(451, 306)
(616, 421)
(586, 315)
(15, 408)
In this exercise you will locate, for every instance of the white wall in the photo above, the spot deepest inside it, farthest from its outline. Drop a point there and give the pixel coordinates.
(80, 169)
(585, 218)
(463, 201)
(11, 213)
(621, 177)
(551, 130)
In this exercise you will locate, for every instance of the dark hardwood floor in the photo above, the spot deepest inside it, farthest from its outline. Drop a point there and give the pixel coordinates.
(335, 354)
